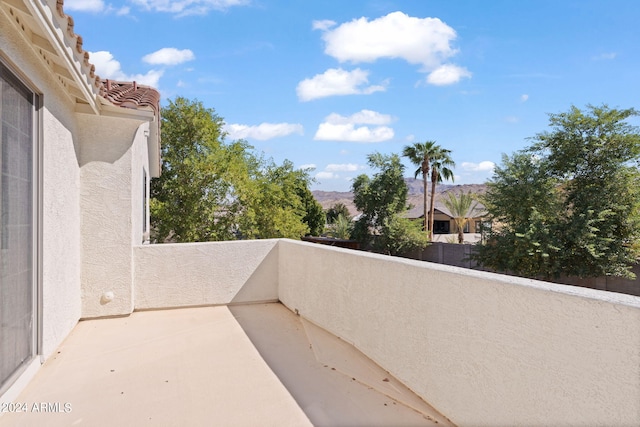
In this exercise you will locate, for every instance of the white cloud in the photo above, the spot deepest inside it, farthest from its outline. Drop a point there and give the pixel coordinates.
(343, 128)
(524, 97)
(152, 78)
(336, 81)
(350, 133)
(512, 119)
(422, 41)
(329, 172)
(124, 10)
(363, 117)
(263, 131)
(327, 175)
(344, 167)
(447, 74)
(169, 56)
(485, 166)
(107, 67)
(188, 7)
(605, 56)
(474, 173)
(84, 5)
(425, 41)
(94, 6)
(323, 25)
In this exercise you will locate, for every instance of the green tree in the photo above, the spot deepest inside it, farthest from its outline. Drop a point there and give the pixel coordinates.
(193, 191)
(570, 203)
(335, 211)
(400, 235)
(314, 215)
(272, 206)
(213, 190)
(381, 199)
(429, 157)
(440, 163)
(523, 204)
(420, 154)
(461, 207)
(341, 228)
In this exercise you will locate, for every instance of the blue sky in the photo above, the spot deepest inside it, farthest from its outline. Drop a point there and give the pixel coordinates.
(324, 83)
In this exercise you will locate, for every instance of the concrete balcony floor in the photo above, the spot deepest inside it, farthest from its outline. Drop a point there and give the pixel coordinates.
(247, 365)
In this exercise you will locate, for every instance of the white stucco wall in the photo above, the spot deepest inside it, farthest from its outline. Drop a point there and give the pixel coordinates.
(112, 153)
(482, 348)
(61, 231)
(70, 245)
(60, 195)
(191, 274)
(140, 170)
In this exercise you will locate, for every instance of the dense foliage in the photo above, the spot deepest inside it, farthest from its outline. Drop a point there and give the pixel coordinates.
(340, 228)
(570, 203)
(213, 190)
(338, 221)
(381, 199)
(400, 235)
(335, 211)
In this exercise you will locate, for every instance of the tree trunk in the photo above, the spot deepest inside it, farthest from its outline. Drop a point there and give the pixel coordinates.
(425, 223)
(433, 205)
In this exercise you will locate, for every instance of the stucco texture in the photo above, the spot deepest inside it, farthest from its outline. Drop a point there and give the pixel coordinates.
(59, 200)
(482, 348)
(111, 162)
(191, 274)
(60, 233)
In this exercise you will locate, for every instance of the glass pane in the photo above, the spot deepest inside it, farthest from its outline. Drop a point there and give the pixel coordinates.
(16, 231)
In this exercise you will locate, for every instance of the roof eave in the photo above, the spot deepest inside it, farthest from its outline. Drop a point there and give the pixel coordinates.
(57, 29)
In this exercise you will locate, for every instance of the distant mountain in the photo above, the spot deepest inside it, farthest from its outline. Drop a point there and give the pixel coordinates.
(330, 198)
(416, 186)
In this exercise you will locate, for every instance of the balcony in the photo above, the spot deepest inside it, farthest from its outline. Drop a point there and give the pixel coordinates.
(242, 365)
(279, 332)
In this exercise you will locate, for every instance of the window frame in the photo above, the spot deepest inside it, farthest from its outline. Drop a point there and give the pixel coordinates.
(36, 216)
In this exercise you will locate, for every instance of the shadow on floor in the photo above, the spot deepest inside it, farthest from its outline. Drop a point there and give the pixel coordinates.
(333, 382)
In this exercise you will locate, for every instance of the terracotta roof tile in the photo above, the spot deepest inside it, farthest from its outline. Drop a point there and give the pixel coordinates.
(131, 95)
(123, 94)
(95, 80)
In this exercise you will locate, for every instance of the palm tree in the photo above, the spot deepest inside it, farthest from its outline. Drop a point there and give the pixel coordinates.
(430, 157)
(440, 163)
(460, 207)
(420, 155)
(341, 228)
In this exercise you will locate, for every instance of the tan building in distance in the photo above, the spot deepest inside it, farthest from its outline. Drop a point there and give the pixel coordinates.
(445, 225)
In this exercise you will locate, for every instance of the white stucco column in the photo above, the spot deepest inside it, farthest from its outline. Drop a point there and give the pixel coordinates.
(113, 156)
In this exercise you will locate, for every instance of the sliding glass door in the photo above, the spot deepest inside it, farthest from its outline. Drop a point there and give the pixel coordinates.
(17, 248)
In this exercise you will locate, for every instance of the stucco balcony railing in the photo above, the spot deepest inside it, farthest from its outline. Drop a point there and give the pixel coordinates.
(480, 348)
